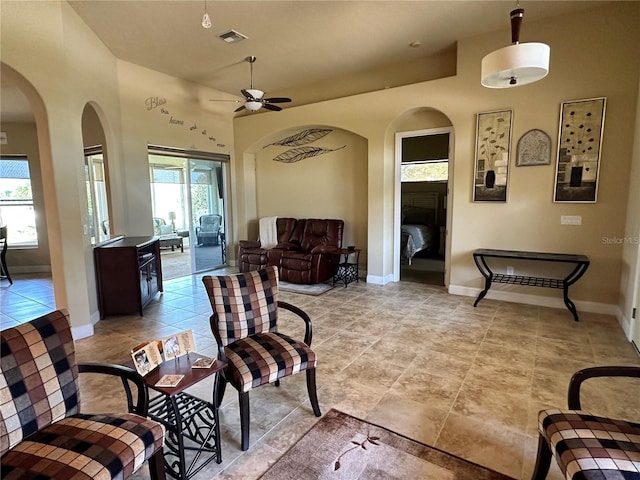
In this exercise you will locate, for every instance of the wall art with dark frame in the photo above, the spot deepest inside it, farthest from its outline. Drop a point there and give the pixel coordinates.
(493, 146)
(579, 146)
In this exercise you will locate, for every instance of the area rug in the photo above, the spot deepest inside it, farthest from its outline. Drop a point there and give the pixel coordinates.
(343, 447)
(316, 289)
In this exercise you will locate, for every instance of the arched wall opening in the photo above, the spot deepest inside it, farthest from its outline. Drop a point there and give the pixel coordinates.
(422, 121)
(48, 256)
(310, 171)
(96, 158)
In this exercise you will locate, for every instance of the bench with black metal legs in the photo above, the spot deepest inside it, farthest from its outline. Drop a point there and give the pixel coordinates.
(580, 262)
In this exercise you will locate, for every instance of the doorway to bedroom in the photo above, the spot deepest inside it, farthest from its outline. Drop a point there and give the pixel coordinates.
(423, 186)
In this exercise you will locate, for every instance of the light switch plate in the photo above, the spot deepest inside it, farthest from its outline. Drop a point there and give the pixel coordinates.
(571, 220)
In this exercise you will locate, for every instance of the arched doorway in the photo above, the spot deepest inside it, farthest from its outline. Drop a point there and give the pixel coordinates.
(25, 121)
(422, 206)
(96, 176)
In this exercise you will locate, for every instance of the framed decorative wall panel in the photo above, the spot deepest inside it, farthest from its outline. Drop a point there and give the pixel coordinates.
(579, 146)
(493, 145)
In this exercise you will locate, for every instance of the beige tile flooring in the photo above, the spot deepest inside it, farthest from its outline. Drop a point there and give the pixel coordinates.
(407, 356)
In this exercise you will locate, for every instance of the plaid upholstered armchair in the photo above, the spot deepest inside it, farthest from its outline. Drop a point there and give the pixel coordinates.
(245, 325)
(43, 435)
(587, 446)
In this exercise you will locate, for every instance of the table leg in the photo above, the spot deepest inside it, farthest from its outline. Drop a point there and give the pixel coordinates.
(570, 305)
(486, 273)
(187, 418)
(572, 278)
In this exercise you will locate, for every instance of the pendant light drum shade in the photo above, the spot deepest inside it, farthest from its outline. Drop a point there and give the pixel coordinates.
(515, 65)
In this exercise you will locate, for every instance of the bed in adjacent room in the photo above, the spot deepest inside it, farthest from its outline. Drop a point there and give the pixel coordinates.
(418, 228)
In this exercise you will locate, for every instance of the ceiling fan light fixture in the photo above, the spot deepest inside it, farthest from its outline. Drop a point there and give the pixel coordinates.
(255, 93)
(252, 106)
(519, 63)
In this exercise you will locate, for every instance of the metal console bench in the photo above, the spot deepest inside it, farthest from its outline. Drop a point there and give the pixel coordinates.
(581, 263)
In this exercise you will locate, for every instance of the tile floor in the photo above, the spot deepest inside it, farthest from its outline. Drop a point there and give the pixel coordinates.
(406, 356)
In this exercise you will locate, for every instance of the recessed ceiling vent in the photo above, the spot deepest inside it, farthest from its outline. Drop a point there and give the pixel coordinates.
(232, 36)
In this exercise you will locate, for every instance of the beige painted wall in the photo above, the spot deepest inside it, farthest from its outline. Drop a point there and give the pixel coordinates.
(47, 45)
(49, 49)
(145, 122)
(581, 46)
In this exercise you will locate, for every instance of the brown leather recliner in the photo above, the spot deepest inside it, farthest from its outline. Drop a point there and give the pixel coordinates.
(317, 259)
(251, 255)
(306, 251)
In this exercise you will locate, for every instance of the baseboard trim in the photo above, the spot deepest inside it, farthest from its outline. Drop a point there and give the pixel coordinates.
(83, 331)
(625, 323)
(31, 269)
(540, 300)
(378, 280)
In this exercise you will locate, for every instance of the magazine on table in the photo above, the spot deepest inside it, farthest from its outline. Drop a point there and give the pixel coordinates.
(153, 353)
(169, 381)
(203, 362)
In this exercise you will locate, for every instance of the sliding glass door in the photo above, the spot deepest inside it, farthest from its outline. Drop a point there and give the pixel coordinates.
(188, 202)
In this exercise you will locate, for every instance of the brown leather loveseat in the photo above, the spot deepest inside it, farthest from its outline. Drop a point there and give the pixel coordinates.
(306, 251)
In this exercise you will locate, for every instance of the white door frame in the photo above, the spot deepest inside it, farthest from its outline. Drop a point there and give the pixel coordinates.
(398, 200)
(635, 306)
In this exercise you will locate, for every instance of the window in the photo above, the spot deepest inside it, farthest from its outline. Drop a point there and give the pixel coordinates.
(16, 200)
(425, 158)
(428, 171)
(97, 202)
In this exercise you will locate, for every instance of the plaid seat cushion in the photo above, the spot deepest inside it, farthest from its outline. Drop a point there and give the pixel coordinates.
(589, 447)
(85, 447)
(264, 358)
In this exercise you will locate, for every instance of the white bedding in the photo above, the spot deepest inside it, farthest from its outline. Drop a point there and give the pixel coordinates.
(414, 239)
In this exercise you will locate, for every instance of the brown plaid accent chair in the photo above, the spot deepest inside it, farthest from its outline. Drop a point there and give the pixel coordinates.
(586, 446)
(43, 435)
(244, 323)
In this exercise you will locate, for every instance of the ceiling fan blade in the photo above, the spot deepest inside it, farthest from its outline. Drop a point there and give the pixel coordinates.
(241, 107)
(271, 107)
(277, 100)
(247, 95)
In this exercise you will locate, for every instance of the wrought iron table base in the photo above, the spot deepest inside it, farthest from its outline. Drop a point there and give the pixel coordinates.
(187, 418)
(581, 264)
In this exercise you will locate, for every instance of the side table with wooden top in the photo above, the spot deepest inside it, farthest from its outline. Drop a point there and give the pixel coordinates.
(191, 423)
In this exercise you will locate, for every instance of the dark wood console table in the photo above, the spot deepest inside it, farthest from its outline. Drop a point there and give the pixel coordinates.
(581, 263)
(128, 274)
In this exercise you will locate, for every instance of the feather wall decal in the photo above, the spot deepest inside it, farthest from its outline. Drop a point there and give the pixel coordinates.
(296, 154)
(302, 138)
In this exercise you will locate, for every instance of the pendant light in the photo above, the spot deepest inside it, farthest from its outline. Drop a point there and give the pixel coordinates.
(519, 63)
(206, 20)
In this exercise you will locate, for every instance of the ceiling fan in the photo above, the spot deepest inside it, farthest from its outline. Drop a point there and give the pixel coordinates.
(254, 98)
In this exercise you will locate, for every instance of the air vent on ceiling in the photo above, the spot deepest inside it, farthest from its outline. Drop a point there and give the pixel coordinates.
(232, 36)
